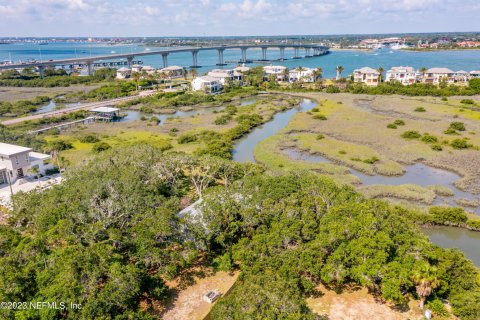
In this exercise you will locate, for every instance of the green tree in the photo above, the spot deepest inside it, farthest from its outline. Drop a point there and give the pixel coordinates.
(425, 278)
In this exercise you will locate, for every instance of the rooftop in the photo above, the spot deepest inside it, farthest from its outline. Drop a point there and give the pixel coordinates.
(439, 70)
(367, 70)
(38, 156)
(104, 109)
(10, 149)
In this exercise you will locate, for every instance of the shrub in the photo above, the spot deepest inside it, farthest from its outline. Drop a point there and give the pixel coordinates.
(444, 99)
(59, 145)
(428, 138)
(399, 122)
(223, 119)
(467, 101)
(437, 147)
(420, 109)
(186, 138)
(451, 131)
(391, 126)
(460, 126)
(54, 170)
(448, 215)
(474, 224)
(411, 134)
(89, 138)
(437, 307)
(231, 109)
(320, 137)
(460, 144)
(332, 89)
(371, 160)
(342, 152)
(315, 109)
(100, 146)
(154, 119)
(320, 117)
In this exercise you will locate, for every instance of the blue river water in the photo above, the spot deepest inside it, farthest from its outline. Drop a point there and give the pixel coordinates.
(467, 60)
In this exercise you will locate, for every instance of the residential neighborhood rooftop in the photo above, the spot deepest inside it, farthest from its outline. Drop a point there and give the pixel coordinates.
(10, 149)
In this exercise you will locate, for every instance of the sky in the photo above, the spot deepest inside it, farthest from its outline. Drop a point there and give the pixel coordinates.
(122, 18)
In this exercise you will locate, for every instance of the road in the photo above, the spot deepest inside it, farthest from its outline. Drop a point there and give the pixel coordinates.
(86, 106)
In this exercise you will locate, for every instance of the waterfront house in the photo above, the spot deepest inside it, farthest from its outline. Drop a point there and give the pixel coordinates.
(403, 75)
(207, 84)
(226, 76)
(436, 75)
(124, 73)
(242, 69)
(303, 74)
(149, 69)
(17, 162)
(137, 68)
(277, 71)
(173, 72)
(461, 77)
(366, 75)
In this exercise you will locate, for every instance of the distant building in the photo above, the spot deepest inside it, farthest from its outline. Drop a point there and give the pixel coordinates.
(366, 75)
(207, 84)
(404, 75)
(17, 162)
(124, 73)
(303, 74)
(436, 75)
(242, 69)
(277, 71)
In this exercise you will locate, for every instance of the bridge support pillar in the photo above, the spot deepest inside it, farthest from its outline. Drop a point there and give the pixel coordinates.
(244, 55)
(220, 57)
(296, 54)
(194, 59)
(41, 71)
(307, 52)
(129, 61)
(165, 59)
(282, 53)
(90, 68)
(264, 54)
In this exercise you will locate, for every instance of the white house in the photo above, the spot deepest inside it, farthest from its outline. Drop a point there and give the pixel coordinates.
(124, 73)
(436, 75)
(366, 75)
(404, 75)
(137, 68)
(16, 162)
(242, 68)
(207, 84)
(277, 71)
(225, 75)
(304, 74)
(173, 71)
(149, 69)
(475, 74)
(461, 77)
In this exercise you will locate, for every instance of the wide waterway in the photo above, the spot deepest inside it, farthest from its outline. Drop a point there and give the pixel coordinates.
(456, 60)
(465, 240)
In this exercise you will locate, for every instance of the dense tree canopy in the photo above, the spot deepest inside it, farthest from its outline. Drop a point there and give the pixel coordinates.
(111, 234)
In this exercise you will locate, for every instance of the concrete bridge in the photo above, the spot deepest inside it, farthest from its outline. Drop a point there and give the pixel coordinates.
(310, 51)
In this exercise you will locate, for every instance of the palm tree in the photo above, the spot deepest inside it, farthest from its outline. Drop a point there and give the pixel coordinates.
(423, 70)
(285, 74)
(136, 78)
(426, 280)
(36, 172)
(380, 76)
(317, 74)
(193, 72)
(339, 72)
(184, 73)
